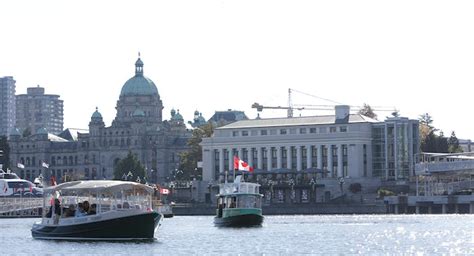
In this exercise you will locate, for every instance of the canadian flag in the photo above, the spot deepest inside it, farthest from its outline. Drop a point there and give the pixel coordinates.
(45, 165)
(241, 165)
(164, 191)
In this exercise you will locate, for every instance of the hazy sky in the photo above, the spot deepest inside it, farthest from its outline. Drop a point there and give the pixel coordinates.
(417, 56)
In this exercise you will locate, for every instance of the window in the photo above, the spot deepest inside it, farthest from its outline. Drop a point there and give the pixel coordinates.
(302, 130)
(343, 129)
(235, 133)
(263, 132)
(245, 133)
(323, 130)
(312, 130)
(332, 129)
(282, 131)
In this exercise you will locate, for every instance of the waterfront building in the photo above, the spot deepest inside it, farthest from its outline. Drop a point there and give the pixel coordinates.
(337, 146)
(35, 110)
(7, 105)
(138, 127)
(466, 145)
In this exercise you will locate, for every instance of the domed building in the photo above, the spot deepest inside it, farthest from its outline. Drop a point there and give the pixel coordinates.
(138, 127)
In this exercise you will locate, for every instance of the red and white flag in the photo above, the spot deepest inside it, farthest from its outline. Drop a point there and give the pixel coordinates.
(241, 165)
(164, 191)
(44, 164)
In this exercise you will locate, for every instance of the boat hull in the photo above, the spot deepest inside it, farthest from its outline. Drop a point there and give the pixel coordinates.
(135, 227)
(244, 220)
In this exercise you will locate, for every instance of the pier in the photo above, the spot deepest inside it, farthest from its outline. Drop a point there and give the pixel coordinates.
(20, 207)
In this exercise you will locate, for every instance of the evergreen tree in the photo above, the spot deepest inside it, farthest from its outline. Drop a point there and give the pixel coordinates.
(190, 158)
(129, 165)
(5, 152)
(367, 110)
(453, 144)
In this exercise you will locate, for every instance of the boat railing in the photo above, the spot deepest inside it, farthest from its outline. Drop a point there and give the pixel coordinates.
(243, 187)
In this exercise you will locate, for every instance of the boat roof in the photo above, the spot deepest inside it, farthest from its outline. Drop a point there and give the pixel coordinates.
(99, 185)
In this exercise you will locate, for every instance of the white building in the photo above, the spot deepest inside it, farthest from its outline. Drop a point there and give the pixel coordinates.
(340, 145)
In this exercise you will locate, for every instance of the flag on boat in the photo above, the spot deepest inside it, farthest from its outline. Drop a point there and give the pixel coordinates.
(164, 191)
(5, 188)
(45, 165)
(20, 165)
(53, 181)
(241, 165)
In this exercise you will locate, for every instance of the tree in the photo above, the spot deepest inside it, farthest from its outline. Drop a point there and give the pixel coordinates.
(367, 110)
(453, 144)
(5, 152)
(190, 158)
(129, 165)
(429, 141)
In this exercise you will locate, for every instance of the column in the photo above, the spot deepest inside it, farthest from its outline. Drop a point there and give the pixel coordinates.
(320, 157)
(417, 209)
(221, 160)
(259, 158)
(279, 157)
(231, 160)
(309, 156)
(339, 161)
(250, 156)
(299, 157)
(269, 158)
(443, 208)
(241, 153)
(330, 167)
(288, 157)
(471, 207)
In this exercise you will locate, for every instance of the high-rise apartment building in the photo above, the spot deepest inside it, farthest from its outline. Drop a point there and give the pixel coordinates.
(7, 105)
(36, 110)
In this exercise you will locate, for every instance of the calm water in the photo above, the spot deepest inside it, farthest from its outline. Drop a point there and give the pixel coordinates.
(280, 235)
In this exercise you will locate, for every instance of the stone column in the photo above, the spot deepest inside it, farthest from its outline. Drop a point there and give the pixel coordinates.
(259, 158)
(288, 157)
(269, 158)
(241, 153)
(309, 156)
(443, 208)
(231, 160)
(339, 161)
(221, 160)
(320, 157)
(279, 157)
(330, 165)
(250, 156)
(299, 158)
(417, 209)
(471, 208)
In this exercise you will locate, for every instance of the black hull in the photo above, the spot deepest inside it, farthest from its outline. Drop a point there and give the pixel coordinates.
(137, 227)
(247, 220)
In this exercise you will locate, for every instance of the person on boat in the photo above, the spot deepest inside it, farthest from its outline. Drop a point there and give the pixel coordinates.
(70, 212)
(57, 210)
(80, 210)
(85, 206)
(93, 209)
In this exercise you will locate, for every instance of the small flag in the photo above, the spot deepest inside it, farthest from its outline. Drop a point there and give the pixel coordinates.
(241, 165)
(45, 165)
(31, 188)
(53, 181)
(164, 191)
(20, 165)
(5, 188)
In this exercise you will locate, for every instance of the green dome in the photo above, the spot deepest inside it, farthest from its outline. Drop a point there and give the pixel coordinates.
(96, 114)
(177, 117)
(139, 84)
(15, 132)
(42, 131)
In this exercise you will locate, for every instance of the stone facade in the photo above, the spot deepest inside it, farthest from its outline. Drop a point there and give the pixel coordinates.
(138, 127)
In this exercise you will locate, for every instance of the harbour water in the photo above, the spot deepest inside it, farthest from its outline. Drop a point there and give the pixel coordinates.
(280, 235)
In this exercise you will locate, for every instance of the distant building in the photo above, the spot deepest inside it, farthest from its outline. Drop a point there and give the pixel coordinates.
(221, 118)
(198, 120)
(341, 145)
(466, 145)
(35, 110)
(7, 105)
(138, 127)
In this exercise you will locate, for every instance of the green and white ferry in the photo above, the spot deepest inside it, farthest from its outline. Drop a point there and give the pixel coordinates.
(239, 204)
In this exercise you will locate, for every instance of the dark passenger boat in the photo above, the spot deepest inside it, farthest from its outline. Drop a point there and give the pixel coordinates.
(97, 210)
(239, 204)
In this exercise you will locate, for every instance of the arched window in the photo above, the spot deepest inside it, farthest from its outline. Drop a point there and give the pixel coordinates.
(64, 160)
(53, 160)
(70, 160)
(27, 161)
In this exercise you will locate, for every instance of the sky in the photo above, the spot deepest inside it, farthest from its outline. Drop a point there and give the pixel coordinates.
(413, 56)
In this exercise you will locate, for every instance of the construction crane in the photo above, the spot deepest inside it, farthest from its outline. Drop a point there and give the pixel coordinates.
(290, 108)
